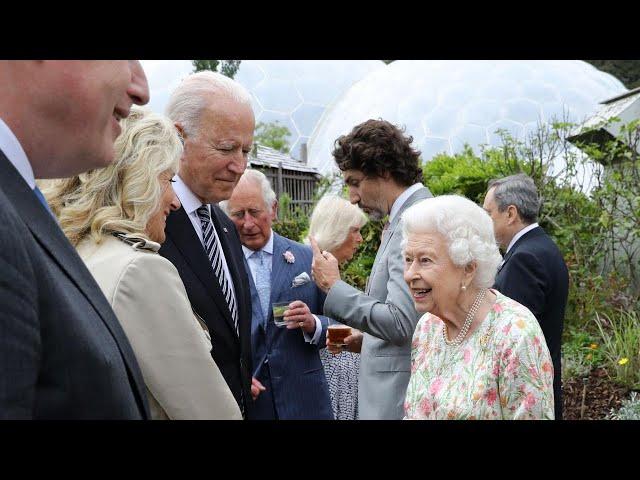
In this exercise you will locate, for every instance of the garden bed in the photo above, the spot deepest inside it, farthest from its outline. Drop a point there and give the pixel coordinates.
(600, 396)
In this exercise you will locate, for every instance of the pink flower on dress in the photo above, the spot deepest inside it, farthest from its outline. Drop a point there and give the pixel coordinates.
(496, 369)
(491, 396)
(497, 307)
(425, 406)
(513, 365)
(467, 355)
(506, 328)
(435, 386)
(288, 256)
(529, 401)
(533, 372)
(547, 367)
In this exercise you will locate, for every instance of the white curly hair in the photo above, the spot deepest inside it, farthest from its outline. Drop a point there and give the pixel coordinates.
(467, 228)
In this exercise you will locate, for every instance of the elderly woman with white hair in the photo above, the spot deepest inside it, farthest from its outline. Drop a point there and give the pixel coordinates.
(476, 354)
(115, 217)
(335, 224)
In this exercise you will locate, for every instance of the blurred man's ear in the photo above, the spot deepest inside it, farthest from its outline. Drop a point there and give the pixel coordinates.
(512, 213)
(274, 211)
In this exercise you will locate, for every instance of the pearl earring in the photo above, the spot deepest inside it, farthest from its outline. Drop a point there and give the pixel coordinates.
(464, 287)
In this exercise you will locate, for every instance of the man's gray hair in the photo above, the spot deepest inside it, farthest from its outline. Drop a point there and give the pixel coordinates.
(519, 191)
(467, 229)
(268, 195)
(196, 91)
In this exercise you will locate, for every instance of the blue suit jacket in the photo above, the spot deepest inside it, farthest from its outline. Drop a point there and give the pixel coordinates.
(285, 363)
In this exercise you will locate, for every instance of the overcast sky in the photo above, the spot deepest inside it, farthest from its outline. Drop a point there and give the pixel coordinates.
(163, 76)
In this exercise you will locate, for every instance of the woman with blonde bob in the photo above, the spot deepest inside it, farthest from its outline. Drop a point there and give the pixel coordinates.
(476, 354)
(116, 218)
(335, 224)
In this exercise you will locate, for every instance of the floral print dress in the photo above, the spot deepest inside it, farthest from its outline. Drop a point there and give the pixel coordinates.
(503, 370)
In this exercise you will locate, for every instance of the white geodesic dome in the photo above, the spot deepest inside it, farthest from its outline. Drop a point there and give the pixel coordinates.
(446, 103)
(296, 92)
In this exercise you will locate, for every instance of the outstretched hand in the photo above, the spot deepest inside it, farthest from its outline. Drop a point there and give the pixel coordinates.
(324, 267)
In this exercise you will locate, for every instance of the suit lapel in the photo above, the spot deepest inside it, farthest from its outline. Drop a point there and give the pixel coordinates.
(180, 228)
(51, 238)
(530, 234)
(226, 238)
(278, 267)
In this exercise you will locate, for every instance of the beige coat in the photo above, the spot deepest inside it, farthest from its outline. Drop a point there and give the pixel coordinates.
(172, 348)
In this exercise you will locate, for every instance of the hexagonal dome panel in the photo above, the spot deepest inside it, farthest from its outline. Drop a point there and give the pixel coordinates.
(445, 103)
(297, 92)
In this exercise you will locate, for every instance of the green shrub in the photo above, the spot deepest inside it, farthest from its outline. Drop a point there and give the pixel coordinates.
(581, 352)
(464, 174)
(620, 338)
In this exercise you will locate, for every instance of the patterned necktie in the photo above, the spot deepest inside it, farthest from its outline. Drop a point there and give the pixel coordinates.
(263, 282)
(212, 245)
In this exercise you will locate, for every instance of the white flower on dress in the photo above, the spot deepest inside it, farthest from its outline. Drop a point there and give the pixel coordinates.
(288, 256)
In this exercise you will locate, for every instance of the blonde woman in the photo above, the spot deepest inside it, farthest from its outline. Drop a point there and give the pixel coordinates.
(335, 224)
(116, 218)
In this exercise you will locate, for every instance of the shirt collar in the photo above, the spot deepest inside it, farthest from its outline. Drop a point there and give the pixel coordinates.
(404, 196)
(517, 236)
(12, 149)
(267, 248)
(187, 198)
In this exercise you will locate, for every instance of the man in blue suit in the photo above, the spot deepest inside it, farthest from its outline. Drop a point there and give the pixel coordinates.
(63, 353)
(289, 381)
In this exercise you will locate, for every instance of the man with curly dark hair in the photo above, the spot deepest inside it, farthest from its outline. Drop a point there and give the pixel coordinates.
(382, 172)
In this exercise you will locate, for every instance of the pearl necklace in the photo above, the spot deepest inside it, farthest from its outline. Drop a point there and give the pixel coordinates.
(467, 323)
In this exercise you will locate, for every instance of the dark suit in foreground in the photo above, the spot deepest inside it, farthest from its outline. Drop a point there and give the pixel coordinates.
(535, 275)
(183, 248)
(63, 353)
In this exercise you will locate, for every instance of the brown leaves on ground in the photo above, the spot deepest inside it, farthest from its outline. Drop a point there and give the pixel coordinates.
(600, 396)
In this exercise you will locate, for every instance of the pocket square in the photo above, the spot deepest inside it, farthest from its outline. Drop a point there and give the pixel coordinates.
(301, 279)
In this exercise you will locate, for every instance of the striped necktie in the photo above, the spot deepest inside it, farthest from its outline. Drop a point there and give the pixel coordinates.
(213, 248)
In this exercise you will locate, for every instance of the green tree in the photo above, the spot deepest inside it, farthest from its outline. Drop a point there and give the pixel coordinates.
(273, 135)
(228, 68)
(627, 71)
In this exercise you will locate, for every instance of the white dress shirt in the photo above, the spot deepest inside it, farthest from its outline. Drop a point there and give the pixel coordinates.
(517, 236)
(191, 203)
(12, 149)
(404, 196)
(268, 257)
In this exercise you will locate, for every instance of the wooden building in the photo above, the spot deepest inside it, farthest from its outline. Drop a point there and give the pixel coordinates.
(287, 175)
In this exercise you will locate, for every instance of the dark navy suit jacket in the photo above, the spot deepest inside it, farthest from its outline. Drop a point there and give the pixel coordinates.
(183, 248)
(63, 353)
(535, 275)
(288, 366)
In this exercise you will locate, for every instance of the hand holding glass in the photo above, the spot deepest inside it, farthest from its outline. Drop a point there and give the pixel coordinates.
(278, 309)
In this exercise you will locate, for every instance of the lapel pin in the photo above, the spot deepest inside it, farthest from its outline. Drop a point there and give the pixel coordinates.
(225, 229)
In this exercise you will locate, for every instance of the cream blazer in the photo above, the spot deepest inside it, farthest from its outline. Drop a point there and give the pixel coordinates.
(172, 348)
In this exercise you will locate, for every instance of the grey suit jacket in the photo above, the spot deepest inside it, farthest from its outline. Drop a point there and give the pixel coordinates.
(63, 354)
(386, 315)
